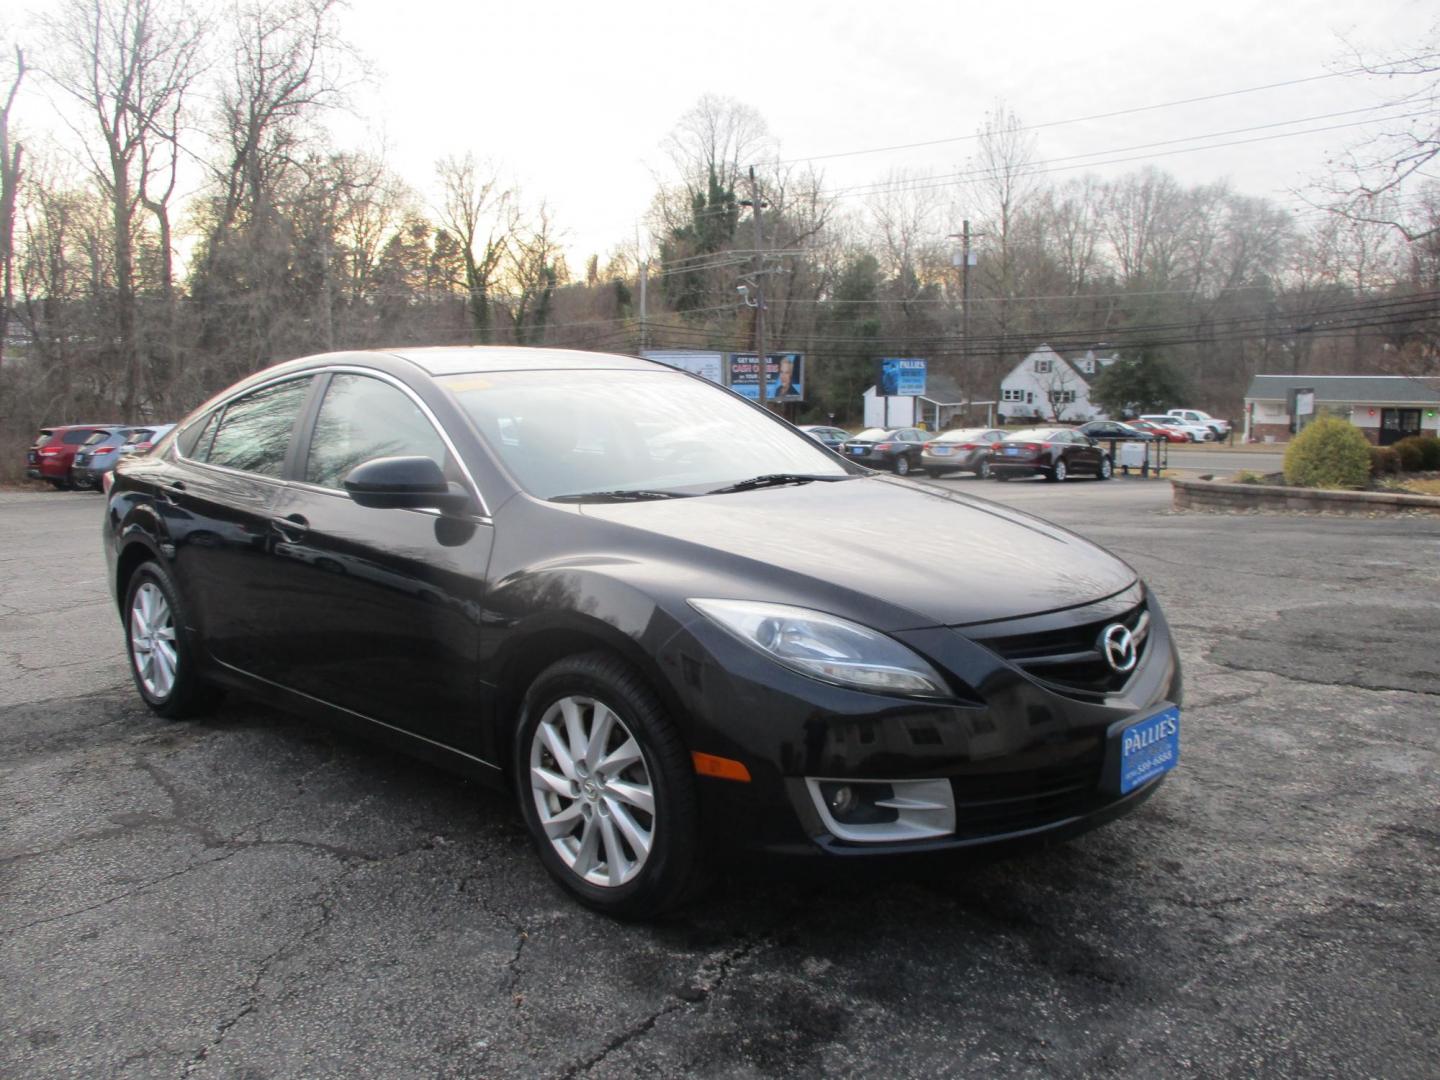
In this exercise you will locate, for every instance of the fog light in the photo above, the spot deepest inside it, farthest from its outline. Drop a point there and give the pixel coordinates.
(879, 811)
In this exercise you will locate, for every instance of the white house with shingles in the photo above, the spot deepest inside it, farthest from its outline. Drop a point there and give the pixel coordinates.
(1047, 387)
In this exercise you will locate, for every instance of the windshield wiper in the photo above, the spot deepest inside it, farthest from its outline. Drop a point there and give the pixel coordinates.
(774, 480)
(620, 495)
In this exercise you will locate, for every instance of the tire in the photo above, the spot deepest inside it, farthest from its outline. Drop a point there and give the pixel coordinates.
(1058, 472)
(935, 474)
(160, 650)
(1107, 469)
(598, 859)
(902, 466)
(59, 485)
(982, 471)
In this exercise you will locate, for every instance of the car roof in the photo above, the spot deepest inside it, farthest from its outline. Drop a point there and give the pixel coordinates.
(452, 360)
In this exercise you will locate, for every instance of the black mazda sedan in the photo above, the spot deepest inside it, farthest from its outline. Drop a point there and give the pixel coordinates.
(522, 565)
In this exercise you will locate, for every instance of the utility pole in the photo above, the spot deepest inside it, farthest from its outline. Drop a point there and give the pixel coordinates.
(761, 372)
(644, 277)
(965, 297)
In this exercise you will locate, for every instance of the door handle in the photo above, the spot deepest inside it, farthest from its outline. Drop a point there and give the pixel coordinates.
(291, 529)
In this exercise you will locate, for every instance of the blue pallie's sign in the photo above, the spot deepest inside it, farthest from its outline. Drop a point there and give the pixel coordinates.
(902, 377)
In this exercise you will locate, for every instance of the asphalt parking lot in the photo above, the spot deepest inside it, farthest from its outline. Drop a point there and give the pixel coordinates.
(257, 896)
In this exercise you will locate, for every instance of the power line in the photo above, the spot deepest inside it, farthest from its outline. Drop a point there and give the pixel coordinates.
(1100, 116)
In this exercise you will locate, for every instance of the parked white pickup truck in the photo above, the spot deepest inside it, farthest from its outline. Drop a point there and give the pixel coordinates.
(1204, 419)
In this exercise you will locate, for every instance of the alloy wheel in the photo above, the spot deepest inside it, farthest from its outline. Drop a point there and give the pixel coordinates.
(152, 641)
(592, 790)
(902, 466)
(1060, 471)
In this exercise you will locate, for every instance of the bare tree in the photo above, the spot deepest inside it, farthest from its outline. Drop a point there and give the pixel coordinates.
(9, 187)
(481, 215)
(535, 268)
(128, 64)
(1367, 180)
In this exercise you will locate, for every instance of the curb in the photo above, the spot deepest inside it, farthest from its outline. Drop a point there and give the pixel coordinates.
(1219, 495)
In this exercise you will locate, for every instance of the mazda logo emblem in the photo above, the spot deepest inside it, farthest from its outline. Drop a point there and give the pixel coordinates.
(1118, 646)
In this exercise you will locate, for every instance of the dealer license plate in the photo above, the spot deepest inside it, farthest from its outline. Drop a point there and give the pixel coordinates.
(857, 450)
(1011, 451)
(940, 451)
(1148, 748)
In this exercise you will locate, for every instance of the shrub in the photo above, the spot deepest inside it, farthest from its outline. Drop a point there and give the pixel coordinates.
(1329, 453)
(1383, 460)
(1245, 476)
(1429, 452)
(1409, 454)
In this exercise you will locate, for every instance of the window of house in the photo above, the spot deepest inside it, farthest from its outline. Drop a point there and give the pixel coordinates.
(1062, 397)
(1012, 395)
(1044, 367)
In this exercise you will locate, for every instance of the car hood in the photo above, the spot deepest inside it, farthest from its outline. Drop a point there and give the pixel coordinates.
(914, 555)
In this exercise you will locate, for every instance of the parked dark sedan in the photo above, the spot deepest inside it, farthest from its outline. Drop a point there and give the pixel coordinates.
(832, 437)
(1113, 430)
(1054, 453)
(897, 449)
(504, 561)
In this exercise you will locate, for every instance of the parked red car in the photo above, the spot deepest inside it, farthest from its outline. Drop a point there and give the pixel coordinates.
(53, 451)
(1169, 434)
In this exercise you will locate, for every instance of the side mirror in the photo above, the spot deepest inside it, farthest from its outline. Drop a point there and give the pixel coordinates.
(404, 483)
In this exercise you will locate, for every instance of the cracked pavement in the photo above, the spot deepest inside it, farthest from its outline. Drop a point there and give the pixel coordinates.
(258, 896)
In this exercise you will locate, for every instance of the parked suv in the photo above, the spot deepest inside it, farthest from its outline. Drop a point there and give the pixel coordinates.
(98, 456)
(53, 452)
(1204, 419)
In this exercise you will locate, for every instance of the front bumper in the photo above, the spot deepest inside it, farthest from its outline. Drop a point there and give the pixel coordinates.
(1023, 758)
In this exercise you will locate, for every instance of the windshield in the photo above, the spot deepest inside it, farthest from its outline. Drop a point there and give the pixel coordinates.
(1033, 434)
(570, 432)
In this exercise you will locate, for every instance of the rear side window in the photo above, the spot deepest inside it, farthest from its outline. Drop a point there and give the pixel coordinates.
(363, 418)
(79, 438)
(254, 432)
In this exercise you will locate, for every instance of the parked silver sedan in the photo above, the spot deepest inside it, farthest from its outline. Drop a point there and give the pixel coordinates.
(960, 450)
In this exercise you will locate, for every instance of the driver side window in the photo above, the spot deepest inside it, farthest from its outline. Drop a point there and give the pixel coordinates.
(363, 418)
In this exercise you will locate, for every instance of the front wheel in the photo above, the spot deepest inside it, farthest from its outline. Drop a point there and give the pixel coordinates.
(607, 789)
(902, 466)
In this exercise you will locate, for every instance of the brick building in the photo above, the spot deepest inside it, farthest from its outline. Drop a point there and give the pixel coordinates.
(1386, 408)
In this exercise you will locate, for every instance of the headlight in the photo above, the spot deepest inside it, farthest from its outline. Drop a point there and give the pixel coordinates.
(825, 647)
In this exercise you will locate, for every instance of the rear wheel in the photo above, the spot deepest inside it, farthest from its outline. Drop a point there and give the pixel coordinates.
(935, 474)
(1058, 473)
(162, 655)
(606, 788)
(1107, 470)
(983, 469)
(902, 466)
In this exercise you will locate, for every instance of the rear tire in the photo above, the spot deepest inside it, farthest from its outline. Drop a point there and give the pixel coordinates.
(160, 648)
(902, 466)
(934, 474)
(1107, 469)
(1058, 472)
(614, 816)
(982, 471)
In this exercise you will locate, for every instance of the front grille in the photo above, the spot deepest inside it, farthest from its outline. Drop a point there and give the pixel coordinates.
(1071, 657)
(1067, 784)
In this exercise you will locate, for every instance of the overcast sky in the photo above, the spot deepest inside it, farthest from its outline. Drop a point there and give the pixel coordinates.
(573, 99)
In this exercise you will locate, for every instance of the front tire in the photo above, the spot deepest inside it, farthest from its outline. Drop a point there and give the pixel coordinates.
(607, 789)
(161, 652)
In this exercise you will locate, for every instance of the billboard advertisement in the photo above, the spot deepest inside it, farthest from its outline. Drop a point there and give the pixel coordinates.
(708, 365)
(902, 378)
(784, 376)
